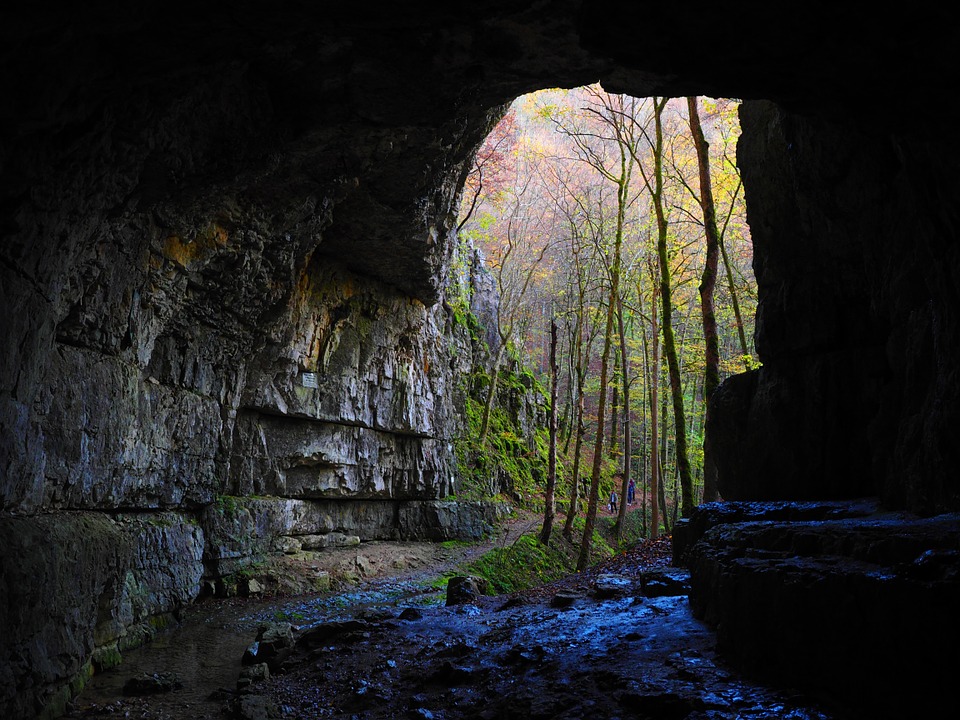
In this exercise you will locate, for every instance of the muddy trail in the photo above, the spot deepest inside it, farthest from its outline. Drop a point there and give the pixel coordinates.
(616, 641)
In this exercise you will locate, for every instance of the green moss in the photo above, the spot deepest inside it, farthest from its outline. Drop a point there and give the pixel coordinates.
(602, 530)
(228, 505)
(363, 326)
(322, 583)
(106, 657)
(287, 616)
(162, 521)
(249, 572)
(524, 564)
(503, 452)
(439, 583)
(135, 636)
(161, 621)
(81, 679)
(452, 544)
(527, 563)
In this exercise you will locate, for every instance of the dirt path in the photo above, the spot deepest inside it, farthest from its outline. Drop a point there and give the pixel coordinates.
(380, 560)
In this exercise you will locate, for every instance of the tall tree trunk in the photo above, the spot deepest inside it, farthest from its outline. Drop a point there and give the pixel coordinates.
(614, 416)
(654, 392)
(644, 477)
(623, 188)
(708, 283)
(548, 506)
(676, 504)
(662, 450)
(575, 473)
(574, 339)
(669, 343)
(566, 425)
(625, 374)
(492, 390)
(693, 415)
(578, 377)
(583, 561)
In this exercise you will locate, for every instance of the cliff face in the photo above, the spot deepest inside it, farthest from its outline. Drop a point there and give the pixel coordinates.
(856, 324)
(178, 330)
(153, 330)
(226, 240)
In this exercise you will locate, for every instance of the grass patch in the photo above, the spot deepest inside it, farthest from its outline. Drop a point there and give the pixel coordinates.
(526, 563)
(523, 564)
(454, 544)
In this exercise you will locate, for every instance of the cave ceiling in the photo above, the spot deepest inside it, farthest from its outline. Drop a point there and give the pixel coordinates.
(375, 112)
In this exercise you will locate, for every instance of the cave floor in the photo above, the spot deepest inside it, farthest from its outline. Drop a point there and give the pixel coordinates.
(391, 649)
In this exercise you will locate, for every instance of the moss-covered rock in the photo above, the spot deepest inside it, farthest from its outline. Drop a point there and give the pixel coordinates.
(78, 589)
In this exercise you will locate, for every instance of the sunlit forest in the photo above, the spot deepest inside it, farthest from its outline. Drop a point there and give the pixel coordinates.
(616, 232)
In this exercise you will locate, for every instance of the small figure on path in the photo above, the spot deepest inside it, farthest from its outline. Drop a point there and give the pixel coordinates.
(613, 502)
(631, 492)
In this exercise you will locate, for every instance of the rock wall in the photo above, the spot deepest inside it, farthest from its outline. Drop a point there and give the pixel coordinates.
(174, 336)
(856, 322)
(818, 597)
(338, 413)
(354, 398)
(81, 587)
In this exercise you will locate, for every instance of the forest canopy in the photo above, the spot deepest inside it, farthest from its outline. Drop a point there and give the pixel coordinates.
(620, 221)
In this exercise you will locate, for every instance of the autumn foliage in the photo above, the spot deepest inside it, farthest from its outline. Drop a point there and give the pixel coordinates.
(585, 219)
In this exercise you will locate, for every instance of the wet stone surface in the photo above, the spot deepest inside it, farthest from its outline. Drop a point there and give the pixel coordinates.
(629, 656)
(619, 641)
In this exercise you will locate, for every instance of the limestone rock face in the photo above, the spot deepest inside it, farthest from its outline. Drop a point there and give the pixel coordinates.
(353, 398)
(237, 534)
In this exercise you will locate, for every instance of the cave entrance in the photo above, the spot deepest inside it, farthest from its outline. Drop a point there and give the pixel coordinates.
(572, 188)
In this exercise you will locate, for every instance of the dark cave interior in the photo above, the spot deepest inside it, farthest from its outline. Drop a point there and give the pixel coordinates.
(196, 199)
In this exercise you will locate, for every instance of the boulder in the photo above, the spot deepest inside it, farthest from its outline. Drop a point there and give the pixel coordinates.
(251, 674)
(462, 590)
(665, 582)
(274, 644)
(565, 599)
(255, 707)
(152, 683)
(610, 586)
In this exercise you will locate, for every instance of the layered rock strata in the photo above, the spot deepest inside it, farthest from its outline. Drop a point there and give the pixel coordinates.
(840, 600)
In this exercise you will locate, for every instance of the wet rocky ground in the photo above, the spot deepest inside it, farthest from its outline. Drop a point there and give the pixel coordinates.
(618, 641)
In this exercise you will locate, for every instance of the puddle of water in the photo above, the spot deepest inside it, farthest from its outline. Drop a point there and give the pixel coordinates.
(205, 650)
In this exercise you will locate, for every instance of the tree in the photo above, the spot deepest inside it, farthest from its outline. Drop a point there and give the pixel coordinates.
(653, 383)
(654, 182)
(582, 334)
(548, 507)
(561, 233)
(493, 164)
(604, 148)
(627, 438)
(708, 280)
(514, 274)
